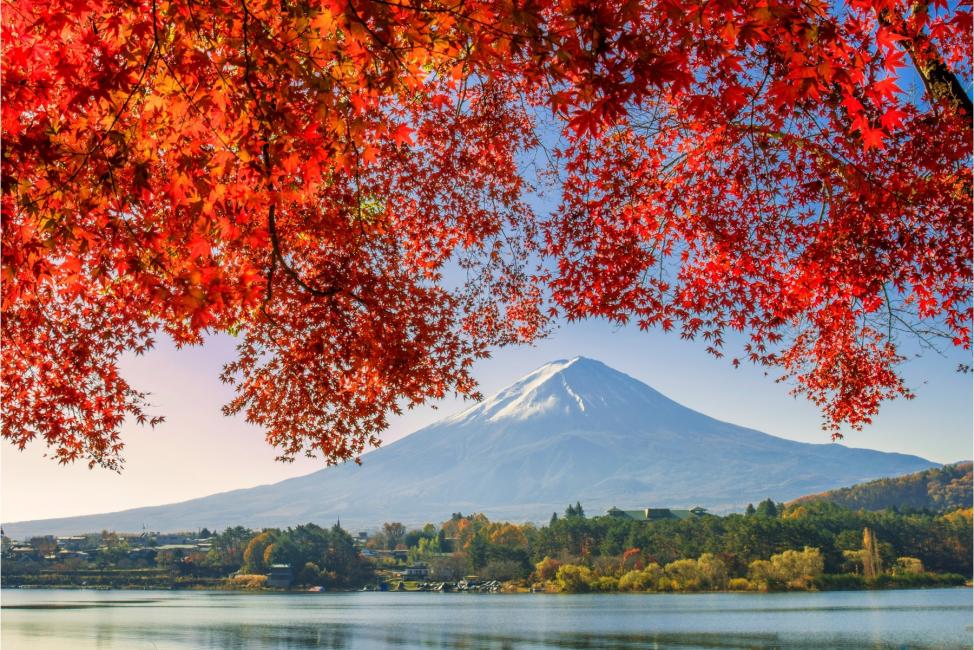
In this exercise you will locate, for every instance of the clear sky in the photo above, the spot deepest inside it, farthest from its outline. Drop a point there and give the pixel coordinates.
(198, 451)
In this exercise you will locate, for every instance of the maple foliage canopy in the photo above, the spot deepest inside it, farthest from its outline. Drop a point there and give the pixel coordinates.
(314, 176)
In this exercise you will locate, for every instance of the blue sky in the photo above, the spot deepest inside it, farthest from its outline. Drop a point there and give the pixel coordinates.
(198, 451)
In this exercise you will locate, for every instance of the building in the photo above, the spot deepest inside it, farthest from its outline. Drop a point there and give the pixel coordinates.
(165, 539)
(657, 514)
(280, 576)
(73, 543)
(398, 555)
(415, 572)
(68, 554)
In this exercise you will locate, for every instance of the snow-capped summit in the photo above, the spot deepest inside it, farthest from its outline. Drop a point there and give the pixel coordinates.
(572, 430)
(574, 388)
(571, 391)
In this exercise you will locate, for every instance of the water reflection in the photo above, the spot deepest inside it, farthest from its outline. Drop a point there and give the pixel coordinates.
(183, 621)
(345, 637)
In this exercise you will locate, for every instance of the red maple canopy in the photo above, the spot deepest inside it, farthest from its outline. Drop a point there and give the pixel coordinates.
(316, 176)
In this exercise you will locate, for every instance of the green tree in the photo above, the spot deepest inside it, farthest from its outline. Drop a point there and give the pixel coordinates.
(343, 561)
(477, 553)
(227, 548)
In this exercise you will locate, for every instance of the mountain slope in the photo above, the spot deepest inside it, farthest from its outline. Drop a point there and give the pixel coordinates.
(940, 490)
(570, 431)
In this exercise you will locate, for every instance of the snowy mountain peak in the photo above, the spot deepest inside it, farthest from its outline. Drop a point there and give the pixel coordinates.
(565, 389)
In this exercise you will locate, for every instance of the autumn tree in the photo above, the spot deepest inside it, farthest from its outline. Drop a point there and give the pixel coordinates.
(788, 570)
(253, 555)
(394, 534)
(340, 183)
(547, 568)
(872, 565)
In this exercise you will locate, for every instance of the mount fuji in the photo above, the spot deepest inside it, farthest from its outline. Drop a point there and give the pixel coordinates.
(573, 430)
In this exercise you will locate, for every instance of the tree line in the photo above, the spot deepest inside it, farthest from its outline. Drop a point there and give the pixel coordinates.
(771, 546)
(939, 489)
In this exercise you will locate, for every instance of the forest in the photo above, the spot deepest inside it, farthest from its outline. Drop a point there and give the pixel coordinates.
(813, 545)
(940, 489)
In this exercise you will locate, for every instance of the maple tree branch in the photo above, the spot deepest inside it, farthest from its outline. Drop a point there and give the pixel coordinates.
(804, 143)
(278, 256)
(941, 82)
(209, 42)
(378, 39)
(248, 66)
(182, 89)
(938, 79)
(456, 13)
(104, 136)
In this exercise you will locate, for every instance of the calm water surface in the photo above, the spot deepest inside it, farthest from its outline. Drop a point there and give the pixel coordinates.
(164, 620)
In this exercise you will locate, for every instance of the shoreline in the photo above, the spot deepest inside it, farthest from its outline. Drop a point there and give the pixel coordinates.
(508, 592)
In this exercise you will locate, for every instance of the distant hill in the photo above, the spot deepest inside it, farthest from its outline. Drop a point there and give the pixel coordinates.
(573, 430)
(940, 489)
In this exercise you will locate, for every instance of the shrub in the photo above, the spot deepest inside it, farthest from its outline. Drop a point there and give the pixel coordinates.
(645, 580)
(705, 573)
(575, 579)
(684, 575)
(713, 572)
(841, 581)
(547, 568)
(788, 570)
(915, 580)
(606, 584)
(248, 581)
(907, 566)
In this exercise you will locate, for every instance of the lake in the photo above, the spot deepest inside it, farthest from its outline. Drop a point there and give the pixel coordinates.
(168, 620)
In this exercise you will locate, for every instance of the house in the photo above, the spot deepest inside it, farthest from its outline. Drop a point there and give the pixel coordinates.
(143, 553)
(415, 572)
(280, 576)
(657, 514)
(168, 539)
(69, 554)
(24, 552)
(73, 542)
(398, 555)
